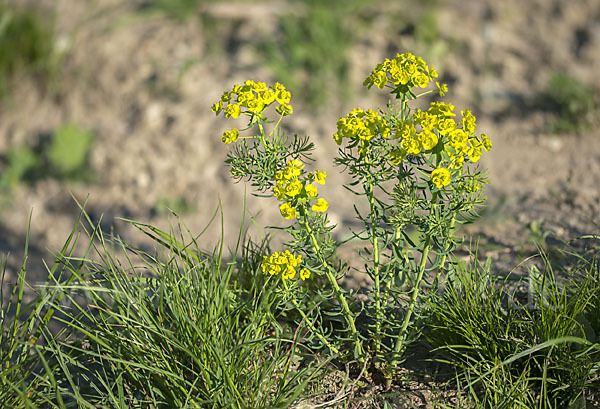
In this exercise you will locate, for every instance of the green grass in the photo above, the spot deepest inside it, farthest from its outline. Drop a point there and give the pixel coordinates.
(574, 104)
(65, 157)
(182, 326)
(515, 353)
(26, 46)
(310, 51)
(179, 328)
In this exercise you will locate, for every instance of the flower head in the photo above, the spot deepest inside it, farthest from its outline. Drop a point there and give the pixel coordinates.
(441, 177)
(230, 136)
(320, 206)
(287, 211)
(320, 176)
(284, 262)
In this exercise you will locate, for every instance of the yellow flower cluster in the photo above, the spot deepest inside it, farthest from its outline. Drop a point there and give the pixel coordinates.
(230, 136)
(441, 177)
(289, 187)
(424, 131)
(364, 125)
(284, 262)
(403, 70)
(253, 98)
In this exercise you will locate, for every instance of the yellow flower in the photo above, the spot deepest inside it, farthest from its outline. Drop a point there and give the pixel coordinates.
(267, 96)
(468, 121)
(278, 192)
(320, 176)
(380, 79)
(284, 110)
(304, 273)
(273, 269)
(475, 150)
(458, 160)
(420, 80)
(412, 146)
(255, 105)
(293, 188)
(230, 136)
(232, 111)
(288, 273)
(428, 140)
(441, 109)
(293, 169)
(282, 96)
(428, 121)
(474, 154)
(406, 130)
(293, 260)
(458, 138)
(442, 88)
(226, 97)
(441, 177)
(311, 191)
(338, 138)
(446, 125)
(320, 206)
(287, 211)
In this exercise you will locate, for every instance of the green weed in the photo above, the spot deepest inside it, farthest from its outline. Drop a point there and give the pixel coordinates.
(512, 353)
(574, 103)
(64, 157)
(69, 151)
(26, 46)
(310, 52)
(174, 329)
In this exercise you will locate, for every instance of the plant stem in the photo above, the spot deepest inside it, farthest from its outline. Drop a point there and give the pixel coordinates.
(336, 288)
(400, 341)
(375, 244)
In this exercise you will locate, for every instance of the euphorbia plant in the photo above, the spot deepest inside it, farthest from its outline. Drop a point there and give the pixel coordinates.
(411, 166)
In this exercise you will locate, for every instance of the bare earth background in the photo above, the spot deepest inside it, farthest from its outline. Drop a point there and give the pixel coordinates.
(144, 84)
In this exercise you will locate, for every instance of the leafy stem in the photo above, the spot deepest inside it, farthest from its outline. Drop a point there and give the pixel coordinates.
(333, 282)
(375, 244)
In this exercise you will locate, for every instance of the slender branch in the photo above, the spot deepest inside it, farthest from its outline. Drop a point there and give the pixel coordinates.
(331, 278)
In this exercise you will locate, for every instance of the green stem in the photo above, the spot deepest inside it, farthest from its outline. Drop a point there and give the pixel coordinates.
(400, 341)
(262, 134)
(336, 288)
(443, 261)
(375, 244)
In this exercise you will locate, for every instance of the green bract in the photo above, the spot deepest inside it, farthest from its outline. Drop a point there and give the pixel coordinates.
(410, 166)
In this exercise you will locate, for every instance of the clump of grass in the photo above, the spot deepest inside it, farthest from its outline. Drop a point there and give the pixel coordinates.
(26, 46)
(309, 54)
(175, 330)
(509, 353)
(574, 103)
(64, 157)
(27, 365)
